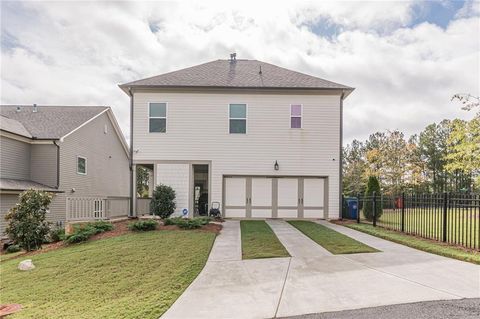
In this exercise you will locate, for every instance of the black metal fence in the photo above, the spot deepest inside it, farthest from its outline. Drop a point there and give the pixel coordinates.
(448, 217)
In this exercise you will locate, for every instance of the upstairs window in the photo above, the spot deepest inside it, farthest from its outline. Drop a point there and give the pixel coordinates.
(296, 116)
(81, 165)
(157, 117)
(238, 118)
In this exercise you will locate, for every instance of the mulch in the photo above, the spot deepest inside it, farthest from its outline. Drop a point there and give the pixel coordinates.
(121, 228)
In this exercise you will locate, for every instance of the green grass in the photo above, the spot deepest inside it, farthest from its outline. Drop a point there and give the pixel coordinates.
(419, 243)
(331, 240)
(259, 241)
(130, 276)
(462, 226)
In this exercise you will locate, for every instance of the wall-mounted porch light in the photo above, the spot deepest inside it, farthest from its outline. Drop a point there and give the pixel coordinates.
(276, 166)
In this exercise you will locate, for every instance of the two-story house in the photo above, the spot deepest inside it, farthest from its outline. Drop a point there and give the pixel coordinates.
(263, 141)
(77, 153)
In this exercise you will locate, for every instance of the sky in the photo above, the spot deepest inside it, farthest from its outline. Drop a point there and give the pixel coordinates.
(406, 58)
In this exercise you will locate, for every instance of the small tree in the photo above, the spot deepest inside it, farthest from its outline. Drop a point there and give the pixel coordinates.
(372, 186)
(163, 201)
(27, 226)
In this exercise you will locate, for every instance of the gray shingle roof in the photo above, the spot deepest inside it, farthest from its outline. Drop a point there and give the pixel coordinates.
(13, 126)
(21, 185)
(49, 122)
(238, 74)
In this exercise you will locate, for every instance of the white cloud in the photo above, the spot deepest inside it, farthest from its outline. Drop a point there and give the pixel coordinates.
(77, 53)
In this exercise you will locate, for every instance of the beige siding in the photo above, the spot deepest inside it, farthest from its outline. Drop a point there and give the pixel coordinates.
(14, 159)
(197, 130)
(43, 164)
(107, 162)
(7, 201)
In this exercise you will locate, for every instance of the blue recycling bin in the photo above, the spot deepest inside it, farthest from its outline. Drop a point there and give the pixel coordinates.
(352, 207)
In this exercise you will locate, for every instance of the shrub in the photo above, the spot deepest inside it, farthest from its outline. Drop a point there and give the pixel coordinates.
(84, 232)
(204, 220)
(13, 249)
(143, 225)
(187, 223)
(27, 225)
(171, 221)
(101, 225)
(372, 186)
(57, 234)
(80, 235)
(163, 201)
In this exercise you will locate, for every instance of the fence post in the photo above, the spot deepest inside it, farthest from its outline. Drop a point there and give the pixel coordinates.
(445, 209)
(374, 209)
(358, 209)
(403, 213)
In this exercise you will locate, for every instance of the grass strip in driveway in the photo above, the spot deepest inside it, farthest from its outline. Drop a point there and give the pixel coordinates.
(259, 241)
(129, 276)
(329, 239)
(427, 245)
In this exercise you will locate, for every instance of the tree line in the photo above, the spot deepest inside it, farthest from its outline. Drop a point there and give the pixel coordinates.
(444, 157)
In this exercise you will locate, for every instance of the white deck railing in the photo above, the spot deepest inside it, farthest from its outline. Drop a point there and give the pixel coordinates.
(86, 208)
(96, 208)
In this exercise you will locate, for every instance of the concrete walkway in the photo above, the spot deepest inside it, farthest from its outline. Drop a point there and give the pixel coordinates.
(315, 281)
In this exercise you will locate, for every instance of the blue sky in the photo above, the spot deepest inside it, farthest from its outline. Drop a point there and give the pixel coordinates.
(405, 58)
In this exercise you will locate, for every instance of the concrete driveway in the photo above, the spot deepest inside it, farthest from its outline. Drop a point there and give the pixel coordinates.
(314, 281)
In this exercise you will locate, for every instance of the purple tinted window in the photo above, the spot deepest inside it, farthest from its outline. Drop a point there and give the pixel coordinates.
(296, 122)
(296, 110)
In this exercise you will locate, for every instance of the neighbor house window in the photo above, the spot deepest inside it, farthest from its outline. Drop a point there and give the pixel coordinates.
(238, 118)
(157, 117)
(81, 165)
(296, 116)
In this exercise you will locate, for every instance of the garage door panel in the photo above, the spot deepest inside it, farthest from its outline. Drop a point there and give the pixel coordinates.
(261, 213)
(313, 192)
(313, 213)
(235, 212)
(287, 213)
(288, 192)
(262, 192)
(235, 191)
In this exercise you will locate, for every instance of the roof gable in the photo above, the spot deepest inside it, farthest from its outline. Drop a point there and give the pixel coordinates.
(237, 74)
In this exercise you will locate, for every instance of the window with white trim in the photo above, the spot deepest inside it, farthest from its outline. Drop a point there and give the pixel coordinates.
(296, 111)
(157, 117)
(81, 165)
(238, 118)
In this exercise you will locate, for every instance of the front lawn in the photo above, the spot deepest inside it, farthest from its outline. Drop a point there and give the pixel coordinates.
(259, 241)
(430, 246)
(329, 239)
(129, 276)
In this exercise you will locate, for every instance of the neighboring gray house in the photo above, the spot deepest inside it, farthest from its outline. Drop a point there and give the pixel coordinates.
(264, 141)
(76, 152)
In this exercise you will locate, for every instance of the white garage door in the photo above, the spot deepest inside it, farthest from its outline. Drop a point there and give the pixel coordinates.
(274, 197)
(261, 198)
(235, 197)
(287, 195)
(313, 198)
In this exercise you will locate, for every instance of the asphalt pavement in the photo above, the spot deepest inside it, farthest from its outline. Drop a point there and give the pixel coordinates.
(443, 309)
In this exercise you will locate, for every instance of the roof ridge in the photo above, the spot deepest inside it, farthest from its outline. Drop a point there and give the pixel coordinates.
(183, 69)
(241, 73)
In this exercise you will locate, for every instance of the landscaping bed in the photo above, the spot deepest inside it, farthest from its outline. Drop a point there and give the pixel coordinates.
(331, 240)
(428, 245)
(259, 241)
(120, 228)
(124, 275)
